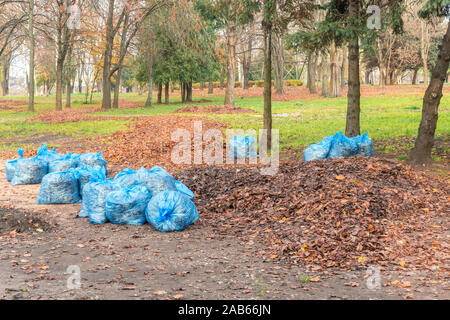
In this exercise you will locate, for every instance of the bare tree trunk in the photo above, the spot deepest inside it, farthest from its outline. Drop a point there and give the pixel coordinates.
(109, 41)
(166, 93)
(424, 49)
(210, 88)
(183, 92)
(148, 103)
(69, 77)
(335, 87)
(325, 75)
(425, 139)
(6, 63)
(311, 74)
(414, 79)
(246, 62)
(354, 85)
(160, 89)
(267, 28)
(32, 44)
(231, 64)
(344, 66)
(278, 62)
(189, 92)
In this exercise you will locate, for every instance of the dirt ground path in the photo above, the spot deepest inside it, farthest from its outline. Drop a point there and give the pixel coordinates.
(124, 262)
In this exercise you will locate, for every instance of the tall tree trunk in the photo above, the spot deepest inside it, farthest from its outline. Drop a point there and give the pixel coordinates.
(425, 139)
(278, 62)
(335, 86)
(166, 93)
(31, 63)
(311, 74)
(109, 41)
(6, 63)
(246, 62)
(414, 79)
(183, 92)
(325, 76)
(160, 89)
(148, 103)
(189, 92)
(231, 64)
(69, 77)
(424, 49)
(117, 88)
(210, 88)
(267, 28)
(344, 66)
(354, 85)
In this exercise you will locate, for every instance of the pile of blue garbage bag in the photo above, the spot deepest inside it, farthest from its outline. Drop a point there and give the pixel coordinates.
(339, 146)
(131, 198)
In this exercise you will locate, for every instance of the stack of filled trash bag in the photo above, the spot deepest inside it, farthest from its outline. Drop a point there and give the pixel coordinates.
(137, 197)
(339, 146)
(131, 198)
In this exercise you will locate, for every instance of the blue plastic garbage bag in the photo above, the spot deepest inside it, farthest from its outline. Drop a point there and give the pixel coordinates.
(10, 165)
(86, 175)
(126, 178)
(319, 150)
(59, 188)
(69, 162)
(171, 211)
(155, 181)
(365, 145)
(341, 146)
(95, 194)
(29, 171)
(127, 206)
(91, 160)
(178, 185)
(243, 147)
(49, 155)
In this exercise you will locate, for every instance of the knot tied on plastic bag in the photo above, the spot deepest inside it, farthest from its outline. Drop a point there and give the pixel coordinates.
(10, 166)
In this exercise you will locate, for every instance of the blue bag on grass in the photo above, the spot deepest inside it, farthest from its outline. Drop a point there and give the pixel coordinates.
(341, 146)
(10, 165)
(171, 211)
(49, 155)
(91, 160)
(94, 199)
(59, 188)
(29, 171)
(126, 177)
(318, 151)
(243, 147)
(69, 162)
(365, 145)
(127, 206)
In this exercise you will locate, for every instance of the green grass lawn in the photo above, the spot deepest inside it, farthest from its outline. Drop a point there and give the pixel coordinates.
(300, 122)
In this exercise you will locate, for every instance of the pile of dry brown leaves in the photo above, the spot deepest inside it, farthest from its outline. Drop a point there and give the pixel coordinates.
(345, 213)
(149, 141)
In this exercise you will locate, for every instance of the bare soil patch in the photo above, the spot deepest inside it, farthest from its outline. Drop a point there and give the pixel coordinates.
(15, 221)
